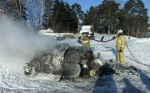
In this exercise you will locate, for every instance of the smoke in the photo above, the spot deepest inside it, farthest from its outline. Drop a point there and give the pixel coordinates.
(18, 45)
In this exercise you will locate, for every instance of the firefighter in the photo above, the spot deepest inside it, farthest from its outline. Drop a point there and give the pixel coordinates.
(120, 45)
(84, 40)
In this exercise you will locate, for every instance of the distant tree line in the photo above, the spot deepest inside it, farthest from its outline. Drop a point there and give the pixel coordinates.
(62, 17)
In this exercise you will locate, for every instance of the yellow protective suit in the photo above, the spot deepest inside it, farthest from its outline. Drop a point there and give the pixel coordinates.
(120, 45)
(85, 41)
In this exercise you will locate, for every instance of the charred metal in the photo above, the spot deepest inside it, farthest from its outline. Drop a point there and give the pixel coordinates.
(70, 62)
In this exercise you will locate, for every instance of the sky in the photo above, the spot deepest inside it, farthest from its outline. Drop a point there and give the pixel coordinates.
(85, 4)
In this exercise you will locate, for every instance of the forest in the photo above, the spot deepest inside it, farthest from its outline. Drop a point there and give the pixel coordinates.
(62, 17)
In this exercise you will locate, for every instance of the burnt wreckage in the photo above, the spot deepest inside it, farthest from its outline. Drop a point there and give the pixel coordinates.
(70, 62)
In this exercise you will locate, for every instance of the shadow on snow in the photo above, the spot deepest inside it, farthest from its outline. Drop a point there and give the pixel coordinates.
(144, 78)
(105, 82)
(129, 87)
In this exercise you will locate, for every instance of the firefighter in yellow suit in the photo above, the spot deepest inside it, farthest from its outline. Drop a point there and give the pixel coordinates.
(120, 45)
(84, 40)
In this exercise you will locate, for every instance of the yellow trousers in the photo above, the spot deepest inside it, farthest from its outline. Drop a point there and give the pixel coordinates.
(120, 57)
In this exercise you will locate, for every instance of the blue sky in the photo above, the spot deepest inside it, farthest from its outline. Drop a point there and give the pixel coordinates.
(85, 4)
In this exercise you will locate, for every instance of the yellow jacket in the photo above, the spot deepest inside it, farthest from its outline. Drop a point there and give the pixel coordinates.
(86, 41)
(120, 42)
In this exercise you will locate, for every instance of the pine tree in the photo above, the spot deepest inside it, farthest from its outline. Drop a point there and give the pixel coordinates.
(91, 18)
(136, 18)
(79, 13)
(108, 15)
(47, 15)
(15, 8)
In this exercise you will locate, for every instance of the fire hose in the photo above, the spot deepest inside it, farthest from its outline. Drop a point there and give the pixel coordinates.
(103, 40)
(136, 60)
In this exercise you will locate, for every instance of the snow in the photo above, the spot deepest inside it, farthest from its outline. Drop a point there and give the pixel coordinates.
(17, 48)
(49, 32)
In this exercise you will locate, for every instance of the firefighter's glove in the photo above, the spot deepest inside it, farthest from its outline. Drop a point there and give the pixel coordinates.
(113, 37)
(121, 49)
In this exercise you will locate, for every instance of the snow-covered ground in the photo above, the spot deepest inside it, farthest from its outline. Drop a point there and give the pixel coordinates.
(17, 48)
(12, 78)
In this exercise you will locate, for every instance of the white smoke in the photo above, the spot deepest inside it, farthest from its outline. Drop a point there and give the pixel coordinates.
(18, 45)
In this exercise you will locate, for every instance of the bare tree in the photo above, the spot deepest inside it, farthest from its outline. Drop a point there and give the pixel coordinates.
(35, 12)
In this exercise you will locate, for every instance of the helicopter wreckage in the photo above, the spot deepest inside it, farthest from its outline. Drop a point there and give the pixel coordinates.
(70, 62)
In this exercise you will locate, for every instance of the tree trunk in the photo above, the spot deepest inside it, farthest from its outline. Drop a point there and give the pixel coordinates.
(128, 31)
(108, 30)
